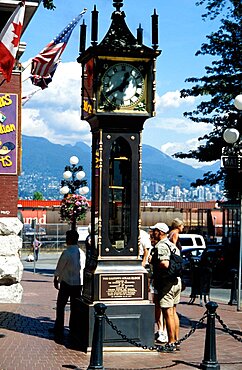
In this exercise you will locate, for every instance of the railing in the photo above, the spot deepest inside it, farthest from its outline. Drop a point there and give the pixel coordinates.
(51, 236)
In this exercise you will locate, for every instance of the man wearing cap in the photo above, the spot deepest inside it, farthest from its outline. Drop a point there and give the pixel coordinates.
(168, 288)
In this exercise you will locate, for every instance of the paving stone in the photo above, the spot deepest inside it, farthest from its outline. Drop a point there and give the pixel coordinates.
(26, 344)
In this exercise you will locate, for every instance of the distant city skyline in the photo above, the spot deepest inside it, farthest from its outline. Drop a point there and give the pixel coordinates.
(49, 187)
(160, 192)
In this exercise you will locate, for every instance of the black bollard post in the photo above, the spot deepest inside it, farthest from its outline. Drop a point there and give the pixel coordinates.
(96, 360)
(209, 359)
(233, 293)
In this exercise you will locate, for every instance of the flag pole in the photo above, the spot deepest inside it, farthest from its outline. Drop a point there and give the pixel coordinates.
(2, 81)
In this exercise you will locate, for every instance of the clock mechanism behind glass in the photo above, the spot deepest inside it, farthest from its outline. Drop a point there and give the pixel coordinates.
(122, 86)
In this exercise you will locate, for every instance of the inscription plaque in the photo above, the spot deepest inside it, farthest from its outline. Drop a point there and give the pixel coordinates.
(121, 287)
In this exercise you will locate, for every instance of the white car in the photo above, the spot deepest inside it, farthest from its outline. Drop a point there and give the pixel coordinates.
(192, 241)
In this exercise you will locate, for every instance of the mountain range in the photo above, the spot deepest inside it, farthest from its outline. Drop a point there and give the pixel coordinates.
(44, 159)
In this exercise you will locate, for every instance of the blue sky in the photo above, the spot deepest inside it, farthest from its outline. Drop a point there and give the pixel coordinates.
(54, 113)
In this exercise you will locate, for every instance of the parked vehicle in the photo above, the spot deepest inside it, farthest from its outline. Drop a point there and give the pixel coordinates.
(190, 256)
(214, 256)
(28, 230)
(189, 241)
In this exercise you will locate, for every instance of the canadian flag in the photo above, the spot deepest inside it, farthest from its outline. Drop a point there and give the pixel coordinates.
(9, 40)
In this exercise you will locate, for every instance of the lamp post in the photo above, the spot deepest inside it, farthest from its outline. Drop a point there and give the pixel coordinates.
(233, 160)
(73, 206)
(215, 234)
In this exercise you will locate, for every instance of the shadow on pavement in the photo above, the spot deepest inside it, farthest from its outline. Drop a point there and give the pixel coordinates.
(41, 271)
(195, 366)
(37, 327)
(185, 322)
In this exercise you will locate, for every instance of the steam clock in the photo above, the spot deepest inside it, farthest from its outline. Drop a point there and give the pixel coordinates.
(118, 95)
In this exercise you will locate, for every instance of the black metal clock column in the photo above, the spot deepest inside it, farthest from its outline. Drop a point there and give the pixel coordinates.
(118, 95)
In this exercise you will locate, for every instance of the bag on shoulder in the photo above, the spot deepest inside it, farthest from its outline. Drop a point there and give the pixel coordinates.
(175, 266)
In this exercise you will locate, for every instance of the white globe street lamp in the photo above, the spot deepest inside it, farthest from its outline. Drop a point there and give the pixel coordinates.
(74, 160)
(64, 190)
(80, 175)
(84, 190)
(67, 175)
(231, 135)
(73, 183)
(238, 102)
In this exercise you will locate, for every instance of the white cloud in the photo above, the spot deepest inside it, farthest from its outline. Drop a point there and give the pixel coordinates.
(172, 99)
(171, 148)
(54, 113)
(34, 125)
(181, 125)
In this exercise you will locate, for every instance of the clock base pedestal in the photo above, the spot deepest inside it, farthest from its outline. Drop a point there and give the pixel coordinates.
(133, 319)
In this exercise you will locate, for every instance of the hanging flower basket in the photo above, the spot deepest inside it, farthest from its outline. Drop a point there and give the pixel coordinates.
(73, 208)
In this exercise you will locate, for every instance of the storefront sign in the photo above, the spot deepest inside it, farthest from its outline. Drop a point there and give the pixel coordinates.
(8, 134)
(121, 287)
(231, 161)
(87, 98)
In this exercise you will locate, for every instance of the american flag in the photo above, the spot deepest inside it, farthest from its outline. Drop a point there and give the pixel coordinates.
(27, 97)
(45, 63)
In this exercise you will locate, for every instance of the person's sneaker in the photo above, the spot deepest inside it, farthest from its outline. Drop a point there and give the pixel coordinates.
(157, 335)
(169, 348)
(178, 347)
(162, 338)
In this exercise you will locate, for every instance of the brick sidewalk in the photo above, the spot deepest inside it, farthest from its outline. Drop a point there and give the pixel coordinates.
(27, 345)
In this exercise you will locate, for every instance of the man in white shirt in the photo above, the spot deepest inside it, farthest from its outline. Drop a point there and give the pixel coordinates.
(144, 248)
(68, 279)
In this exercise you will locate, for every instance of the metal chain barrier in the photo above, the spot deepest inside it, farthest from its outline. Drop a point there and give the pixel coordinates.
(227, 330)
(157, 348)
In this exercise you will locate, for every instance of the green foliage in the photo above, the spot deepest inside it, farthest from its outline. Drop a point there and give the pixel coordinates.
(214, 8)
(49, 4)
(220, 85)
(38, 195)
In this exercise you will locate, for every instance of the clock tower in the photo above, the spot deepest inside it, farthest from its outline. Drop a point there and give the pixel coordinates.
(118, 95)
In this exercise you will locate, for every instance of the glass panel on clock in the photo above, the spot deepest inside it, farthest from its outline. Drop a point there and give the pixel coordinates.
(119, 193)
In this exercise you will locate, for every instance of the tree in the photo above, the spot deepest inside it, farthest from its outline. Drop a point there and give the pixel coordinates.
(217, 89)
(38, 195)
(49, 4)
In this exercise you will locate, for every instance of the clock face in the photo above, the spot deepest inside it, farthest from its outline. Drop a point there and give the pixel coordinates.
(123, 85)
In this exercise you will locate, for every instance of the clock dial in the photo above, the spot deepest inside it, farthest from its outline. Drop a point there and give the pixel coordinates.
(123, 85)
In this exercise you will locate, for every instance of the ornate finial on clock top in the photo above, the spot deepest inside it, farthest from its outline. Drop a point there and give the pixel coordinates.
(118, 4)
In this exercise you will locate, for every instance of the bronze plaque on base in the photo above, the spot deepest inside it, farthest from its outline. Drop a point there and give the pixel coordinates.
(121, 287)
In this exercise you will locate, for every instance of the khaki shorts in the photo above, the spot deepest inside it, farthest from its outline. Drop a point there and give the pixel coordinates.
(172, 297)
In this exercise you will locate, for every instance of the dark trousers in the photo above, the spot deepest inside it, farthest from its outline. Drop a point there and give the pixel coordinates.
(66, 291)
(36, 254)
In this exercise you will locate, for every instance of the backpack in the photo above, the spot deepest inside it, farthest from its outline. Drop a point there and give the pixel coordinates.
(175, 266)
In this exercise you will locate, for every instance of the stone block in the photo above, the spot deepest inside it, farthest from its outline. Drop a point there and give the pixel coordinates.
(10, 225)
(11, 294)
(11, 270)
(10, 245)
